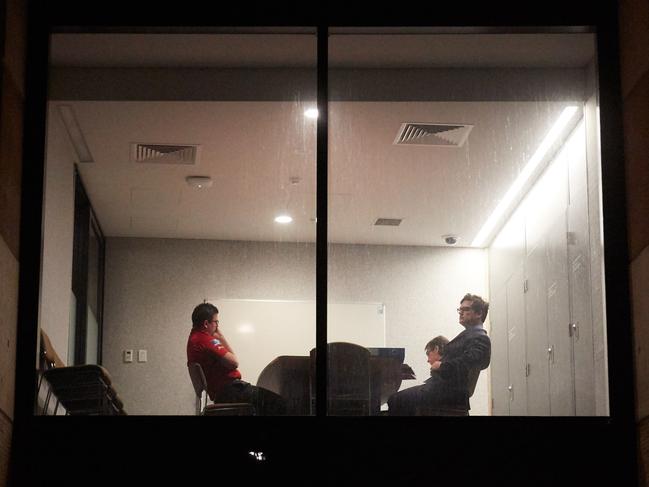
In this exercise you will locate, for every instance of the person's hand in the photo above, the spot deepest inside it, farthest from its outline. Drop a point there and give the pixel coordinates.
(435, 365)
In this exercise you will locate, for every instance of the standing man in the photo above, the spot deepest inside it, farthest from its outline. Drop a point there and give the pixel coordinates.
(465, 356)
(208, 347)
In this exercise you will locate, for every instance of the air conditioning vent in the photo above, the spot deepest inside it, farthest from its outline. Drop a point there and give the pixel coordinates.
(164, 153)
(435, 134)
(388, 222)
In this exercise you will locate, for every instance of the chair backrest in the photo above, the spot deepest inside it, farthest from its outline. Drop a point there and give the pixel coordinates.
(48, 355)
(200, 384)
(349, 370)
(348, 379)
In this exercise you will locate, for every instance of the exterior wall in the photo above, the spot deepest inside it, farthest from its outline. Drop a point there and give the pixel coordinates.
(12, 42)
(634, 62)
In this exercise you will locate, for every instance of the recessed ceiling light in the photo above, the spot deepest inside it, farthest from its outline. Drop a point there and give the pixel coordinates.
(199, 181)
(283, 219)
(311, 113)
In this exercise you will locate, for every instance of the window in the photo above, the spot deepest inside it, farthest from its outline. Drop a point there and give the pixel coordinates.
(564, 434)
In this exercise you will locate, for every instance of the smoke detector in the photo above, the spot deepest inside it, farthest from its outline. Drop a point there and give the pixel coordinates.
(450, 239)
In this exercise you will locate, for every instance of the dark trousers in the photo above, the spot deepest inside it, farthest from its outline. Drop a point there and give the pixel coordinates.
(265, 402)
(423, 400)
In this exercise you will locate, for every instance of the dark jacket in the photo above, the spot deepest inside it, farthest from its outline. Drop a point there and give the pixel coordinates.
(464, 357)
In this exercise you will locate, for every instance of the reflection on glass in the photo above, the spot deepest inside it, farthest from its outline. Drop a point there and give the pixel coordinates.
(459, 165)
(92, 325)
(200, 168)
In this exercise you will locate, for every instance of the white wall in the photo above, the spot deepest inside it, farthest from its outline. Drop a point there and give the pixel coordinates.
(152, 286)
(560, 218)
(58, 230)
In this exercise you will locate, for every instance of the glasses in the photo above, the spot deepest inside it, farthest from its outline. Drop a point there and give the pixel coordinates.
(464, 309)
(215, 321)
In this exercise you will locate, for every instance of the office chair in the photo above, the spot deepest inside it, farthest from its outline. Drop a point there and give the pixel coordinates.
(348, 379)
(199, 382)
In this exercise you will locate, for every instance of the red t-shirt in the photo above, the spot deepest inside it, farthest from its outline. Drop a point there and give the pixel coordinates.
(207, 350)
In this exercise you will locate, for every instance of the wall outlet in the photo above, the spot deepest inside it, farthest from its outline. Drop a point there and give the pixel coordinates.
(141, 355)
(128, 356)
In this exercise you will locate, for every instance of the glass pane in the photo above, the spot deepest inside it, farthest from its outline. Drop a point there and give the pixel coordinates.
(466, 164)
(72, 326)
(92, 325)
(192, 147)
(92, 338)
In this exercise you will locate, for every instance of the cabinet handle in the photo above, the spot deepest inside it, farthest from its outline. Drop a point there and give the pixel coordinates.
(574, 330)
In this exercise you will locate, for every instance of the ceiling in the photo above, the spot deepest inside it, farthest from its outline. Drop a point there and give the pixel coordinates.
(261, 153)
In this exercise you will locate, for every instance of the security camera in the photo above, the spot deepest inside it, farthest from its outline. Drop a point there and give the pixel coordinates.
(450, 239)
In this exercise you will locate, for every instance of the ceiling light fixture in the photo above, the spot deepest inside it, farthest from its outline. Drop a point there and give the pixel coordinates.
(311, 113)
(283, 219)
(199, 182)
(557, 130)
(75, 133)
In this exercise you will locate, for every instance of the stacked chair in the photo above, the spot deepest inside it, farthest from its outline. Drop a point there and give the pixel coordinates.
(79, 389)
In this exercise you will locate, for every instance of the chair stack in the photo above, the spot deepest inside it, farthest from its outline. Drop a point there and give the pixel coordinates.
(84, 390)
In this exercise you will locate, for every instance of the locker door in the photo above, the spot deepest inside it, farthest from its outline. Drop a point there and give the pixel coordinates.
(516, 344)
(538, 373)
(499, 354)
(562, 401)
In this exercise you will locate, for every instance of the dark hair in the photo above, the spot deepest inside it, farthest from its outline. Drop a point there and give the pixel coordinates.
(478, 305)
(438, 342)
(202, 312)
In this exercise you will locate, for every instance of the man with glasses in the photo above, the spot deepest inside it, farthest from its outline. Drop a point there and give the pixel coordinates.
(208, 347)
(457, 370)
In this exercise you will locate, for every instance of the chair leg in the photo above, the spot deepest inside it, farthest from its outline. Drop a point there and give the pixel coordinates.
(47, 402)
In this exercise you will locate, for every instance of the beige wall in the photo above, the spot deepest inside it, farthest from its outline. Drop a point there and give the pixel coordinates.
(58, 234)
(11, 116)
(634, 60)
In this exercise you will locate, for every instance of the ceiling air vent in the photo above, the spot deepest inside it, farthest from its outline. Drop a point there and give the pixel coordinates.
(164, 153)
(436, 134)
(388, 222)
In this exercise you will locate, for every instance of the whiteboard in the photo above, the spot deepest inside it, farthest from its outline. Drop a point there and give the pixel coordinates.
(261, 330)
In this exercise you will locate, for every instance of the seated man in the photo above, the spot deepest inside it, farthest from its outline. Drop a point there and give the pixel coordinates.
(208, 347)
(404, 403)
(457, 371)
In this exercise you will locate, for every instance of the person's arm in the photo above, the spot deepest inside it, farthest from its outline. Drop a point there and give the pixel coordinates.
(476, 352)
(229, 359)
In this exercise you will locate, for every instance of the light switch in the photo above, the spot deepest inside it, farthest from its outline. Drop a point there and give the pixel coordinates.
(128, 356)
(141, 355)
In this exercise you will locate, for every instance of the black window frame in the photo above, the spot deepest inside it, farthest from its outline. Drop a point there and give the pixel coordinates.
(369, 451)
(85, 221)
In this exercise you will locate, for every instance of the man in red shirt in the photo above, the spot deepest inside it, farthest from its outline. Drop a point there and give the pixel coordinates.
(208, 346)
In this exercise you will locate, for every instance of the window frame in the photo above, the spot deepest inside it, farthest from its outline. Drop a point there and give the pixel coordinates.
(618, 428)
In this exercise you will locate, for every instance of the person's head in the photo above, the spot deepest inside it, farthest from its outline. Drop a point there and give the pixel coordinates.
(435, 349)
(473, 310)
(205, 316)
